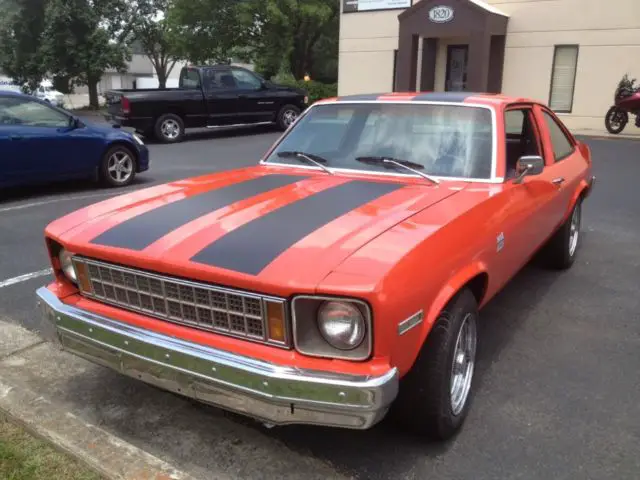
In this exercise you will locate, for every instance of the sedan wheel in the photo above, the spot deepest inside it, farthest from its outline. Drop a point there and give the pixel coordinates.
(561, 250)
(118, 166)
(463, 364)
(435, 395)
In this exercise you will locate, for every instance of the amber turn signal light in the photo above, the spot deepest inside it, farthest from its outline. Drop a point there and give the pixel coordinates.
(276, 321)
(83, 277)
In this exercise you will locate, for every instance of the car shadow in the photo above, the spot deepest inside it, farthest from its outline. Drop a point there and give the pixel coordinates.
(35, 193)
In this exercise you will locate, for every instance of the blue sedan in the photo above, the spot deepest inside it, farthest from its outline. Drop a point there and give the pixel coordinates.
(40, 143)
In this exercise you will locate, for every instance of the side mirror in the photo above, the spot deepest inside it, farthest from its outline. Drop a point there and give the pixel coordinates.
(527, 166)
(74, 122)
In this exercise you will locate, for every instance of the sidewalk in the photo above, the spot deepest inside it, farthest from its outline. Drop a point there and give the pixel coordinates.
(628, 134)
(128, 430)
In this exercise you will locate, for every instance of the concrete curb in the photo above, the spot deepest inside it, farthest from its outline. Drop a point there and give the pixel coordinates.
(602, 136)
(101, 451)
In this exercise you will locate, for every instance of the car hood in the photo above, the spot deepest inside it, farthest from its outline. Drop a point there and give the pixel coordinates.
(107, 130)
(268, 229)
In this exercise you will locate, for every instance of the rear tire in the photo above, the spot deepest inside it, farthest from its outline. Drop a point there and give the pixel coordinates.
(118, 166)
(286, 116)
(561, 250)
(433, 402)
(616, 120)
(169, 128)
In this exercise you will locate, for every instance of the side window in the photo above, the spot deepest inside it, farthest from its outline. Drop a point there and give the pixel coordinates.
(246, 80)
(562, 146)
(514, 122)
(521, 137)
(190, 79)
(19, 111)
(218, 79)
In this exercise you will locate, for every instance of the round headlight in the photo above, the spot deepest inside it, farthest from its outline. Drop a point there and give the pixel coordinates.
(67, 265)
(341, 324)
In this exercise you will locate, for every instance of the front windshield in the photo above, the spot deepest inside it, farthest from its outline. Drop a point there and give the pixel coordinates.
(448, 140)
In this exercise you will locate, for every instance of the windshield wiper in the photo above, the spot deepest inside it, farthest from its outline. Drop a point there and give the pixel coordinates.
(317, 160)
(406, 164)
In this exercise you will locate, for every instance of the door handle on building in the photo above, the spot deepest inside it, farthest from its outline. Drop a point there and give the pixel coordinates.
(558, 181)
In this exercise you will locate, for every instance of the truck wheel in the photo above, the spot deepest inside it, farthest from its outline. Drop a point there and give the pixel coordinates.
(435, 395)
(118, 166)
(169, 128)
(286, 116)
(560, 252)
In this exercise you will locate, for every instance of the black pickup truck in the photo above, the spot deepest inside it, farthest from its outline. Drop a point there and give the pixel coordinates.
(210, 96)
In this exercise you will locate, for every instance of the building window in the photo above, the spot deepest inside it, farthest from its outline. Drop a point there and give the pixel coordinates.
(563, 78)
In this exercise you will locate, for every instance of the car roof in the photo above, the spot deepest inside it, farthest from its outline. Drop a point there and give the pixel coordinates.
(446, 97)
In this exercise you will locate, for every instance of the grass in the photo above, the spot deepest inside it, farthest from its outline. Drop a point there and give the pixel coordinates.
(25, 457)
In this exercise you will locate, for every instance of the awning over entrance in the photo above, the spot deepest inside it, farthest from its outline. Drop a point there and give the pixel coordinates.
(477, 64)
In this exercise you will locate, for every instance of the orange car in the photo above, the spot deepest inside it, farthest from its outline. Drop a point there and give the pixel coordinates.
(340, 276)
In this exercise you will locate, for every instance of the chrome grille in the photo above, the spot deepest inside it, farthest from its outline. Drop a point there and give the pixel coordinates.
(216, 309)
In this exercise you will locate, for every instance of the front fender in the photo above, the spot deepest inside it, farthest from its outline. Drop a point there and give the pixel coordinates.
(409, 344)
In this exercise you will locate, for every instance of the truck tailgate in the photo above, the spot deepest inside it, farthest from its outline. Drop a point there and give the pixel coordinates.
(114, 102)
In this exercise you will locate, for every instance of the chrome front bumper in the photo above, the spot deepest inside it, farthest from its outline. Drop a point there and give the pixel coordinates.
(271, 393)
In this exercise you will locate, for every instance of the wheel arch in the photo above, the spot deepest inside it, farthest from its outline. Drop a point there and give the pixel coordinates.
(475, 277)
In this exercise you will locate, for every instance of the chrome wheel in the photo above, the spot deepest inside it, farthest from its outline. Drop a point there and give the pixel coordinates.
(288, 117)
(463, 364)
(170, 129)
(574, 232)
(120, 166)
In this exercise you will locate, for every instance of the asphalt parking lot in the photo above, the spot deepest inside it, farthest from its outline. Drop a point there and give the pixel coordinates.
(557, 392)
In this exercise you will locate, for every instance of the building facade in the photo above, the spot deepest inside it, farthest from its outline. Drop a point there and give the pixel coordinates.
(569, 54)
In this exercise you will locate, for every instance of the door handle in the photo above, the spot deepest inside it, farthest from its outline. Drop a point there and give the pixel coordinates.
(16, 137)
(558, 181)
(243, 96)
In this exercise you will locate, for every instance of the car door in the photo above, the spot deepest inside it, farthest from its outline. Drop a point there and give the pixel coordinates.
(44, 144)
(257, 103)
(8, 164)
(563, 163)
(221, 95)
(525, 204)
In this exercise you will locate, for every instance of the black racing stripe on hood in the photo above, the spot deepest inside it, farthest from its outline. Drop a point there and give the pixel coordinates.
(253, 246)
(453, 97)
(141, 231)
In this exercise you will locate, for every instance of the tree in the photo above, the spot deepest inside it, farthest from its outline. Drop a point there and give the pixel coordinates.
(290, 33)
(154, 34)
(85, 38)
(21, 30)
(205, 31)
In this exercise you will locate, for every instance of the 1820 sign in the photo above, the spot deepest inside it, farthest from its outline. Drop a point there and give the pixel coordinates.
(441, 14)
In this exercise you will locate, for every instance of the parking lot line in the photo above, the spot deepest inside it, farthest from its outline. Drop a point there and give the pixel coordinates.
(64, 199)
(25, 277)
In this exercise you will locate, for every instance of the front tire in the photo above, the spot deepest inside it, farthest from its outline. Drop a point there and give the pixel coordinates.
(169, 128)
(435, 396)
(286, 116)
(118, 166)
(616, 120)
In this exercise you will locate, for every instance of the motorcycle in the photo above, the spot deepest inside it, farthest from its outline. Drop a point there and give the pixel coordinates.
(626, 101)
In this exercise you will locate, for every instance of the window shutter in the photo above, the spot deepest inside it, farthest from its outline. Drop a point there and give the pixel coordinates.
(563, 77)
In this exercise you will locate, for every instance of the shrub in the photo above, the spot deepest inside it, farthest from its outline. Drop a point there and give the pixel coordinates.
(315, 90)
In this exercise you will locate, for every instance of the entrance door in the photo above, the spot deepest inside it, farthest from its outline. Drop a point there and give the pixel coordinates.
(457, 60)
